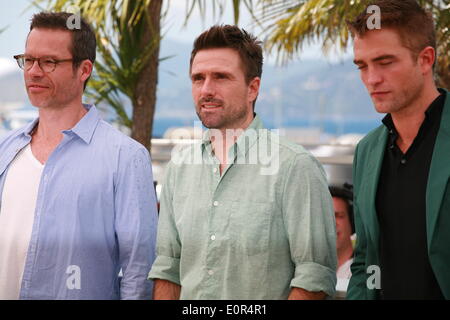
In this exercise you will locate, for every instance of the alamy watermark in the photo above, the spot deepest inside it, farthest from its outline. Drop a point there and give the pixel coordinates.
(374, 21)
(73, 281)
(74, 21)
(257, 147)
(374, 280)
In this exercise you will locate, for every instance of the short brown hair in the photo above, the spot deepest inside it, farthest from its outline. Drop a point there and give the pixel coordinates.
(414, 25)
(83, 39)
(227, 36)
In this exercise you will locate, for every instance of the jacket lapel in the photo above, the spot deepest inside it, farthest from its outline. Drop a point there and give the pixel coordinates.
(374, 162)
(439, 171)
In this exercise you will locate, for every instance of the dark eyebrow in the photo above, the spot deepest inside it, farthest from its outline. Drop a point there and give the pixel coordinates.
(43, 57)
(216, 73)
(222, 73)
(195, 75)
(384, 57)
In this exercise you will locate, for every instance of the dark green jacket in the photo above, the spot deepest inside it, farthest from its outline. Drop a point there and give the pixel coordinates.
(366, 171)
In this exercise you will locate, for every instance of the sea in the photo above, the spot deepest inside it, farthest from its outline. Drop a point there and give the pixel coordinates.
(334, 127)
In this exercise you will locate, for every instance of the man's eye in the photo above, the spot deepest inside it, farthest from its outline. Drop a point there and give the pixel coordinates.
(361, 67)
(386, 63)
(49, 62)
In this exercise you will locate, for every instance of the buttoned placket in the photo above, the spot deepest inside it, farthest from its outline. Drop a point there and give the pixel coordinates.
(213, 240)
(214, 171)
(40, 208)
(215, 206)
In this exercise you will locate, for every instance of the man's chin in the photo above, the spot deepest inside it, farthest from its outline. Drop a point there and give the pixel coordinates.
(381, 107)
(210, 123)
(38, 104)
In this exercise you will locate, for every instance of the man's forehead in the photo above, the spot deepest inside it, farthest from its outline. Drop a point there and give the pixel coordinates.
(225, 57)
(223, 61)
(48, 41)
(378, 42)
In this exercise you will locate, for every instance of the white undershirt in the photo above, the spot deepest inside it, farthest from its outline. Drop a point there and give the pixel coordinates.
(16, 220)
(343, 275)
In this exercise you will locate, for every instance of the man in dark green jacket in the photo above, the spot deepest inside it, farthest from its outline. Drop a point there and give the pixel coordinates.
(402, 168)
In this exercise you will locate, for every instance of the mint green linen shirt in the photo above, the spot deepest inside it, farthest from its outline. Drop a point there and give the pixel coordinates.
(262, 227)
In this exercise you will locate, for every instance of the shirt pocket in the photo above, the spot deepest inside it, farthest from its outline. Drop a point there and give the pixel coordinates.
(250, 227)
(183, 214)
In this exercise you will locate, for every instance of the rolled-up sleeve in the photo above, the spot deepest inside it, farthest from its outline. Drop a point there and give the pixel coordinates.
(135, 223)
(310, 225)
(168, 248)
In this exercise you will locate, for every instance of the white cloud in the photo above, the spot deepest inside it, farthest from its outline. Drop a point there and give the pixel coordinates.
(7, 66)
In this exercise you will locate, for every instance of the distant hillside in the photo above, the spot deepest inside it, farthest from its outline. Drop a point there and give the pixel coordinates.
(307, 92)
(12, 87)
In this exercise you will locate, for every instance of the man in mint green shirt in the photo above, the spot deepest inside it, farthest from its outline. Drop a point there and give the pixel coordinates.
(245, 214)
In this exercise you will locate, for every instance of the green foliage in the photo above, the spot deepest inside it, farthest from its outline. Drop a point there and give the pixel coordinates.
(218, 7)
(289, 24)
(119, 25)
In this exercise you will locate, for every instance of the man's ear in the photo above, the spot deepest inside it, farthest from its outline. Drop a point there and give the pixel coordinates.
(254, 88)
(85, 69)
(426, 59)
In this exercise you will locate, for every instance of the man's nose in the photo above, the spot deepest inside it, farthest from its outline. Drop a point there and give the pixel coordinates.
(208, 88)
(373, 77)
(35, 70)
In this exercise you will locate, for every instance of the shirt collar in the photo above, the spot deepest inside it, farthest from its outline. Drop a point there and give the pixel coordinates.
(433, 110)
(431, 114)
(86, 126)
(244, 141)
(84, 129)
(30, 127)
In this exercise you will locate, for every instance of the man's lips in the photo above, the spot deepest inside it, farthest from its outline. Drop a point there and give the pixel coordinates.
(36, 87)
(210, 104)
(379, 93)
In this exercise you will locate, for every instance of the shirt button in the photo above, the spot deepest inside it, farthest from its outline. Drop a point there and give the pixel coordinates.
(210, 272)
(215, 203)
(403, 161)
(213, 237)
(215, 170)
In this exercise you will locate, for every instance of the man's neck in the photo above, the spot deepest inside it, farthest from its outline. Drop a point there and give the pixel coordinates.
(408, 121)
(223, 139)
(52, 121)
(344, 254)
(221, 142)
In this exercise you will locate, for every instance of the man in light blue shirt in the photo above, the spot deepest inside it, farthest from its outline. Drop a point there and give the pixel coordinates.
(92, 211)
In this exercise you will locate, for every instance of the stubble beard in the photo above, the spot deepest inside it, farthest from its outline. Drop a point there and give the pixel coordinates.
(223, 121)
(54, 101)
(401, 100)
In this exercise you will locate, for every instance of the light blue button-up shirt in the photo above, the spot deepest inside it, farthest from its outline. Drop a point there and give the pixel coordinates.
(95, 214)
